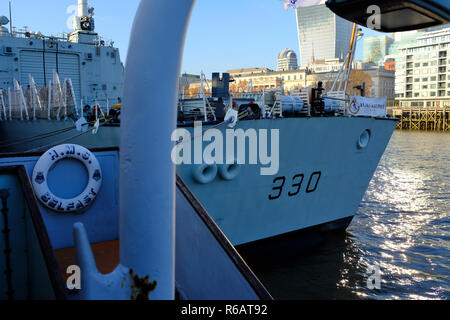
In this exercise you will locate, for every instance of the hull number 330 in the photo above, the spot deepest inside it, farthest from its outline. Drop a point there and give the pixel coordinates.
(294, 186)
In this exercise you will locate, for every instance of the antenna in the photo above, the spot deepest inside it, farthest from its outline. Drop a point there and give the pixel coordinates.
(10, 18)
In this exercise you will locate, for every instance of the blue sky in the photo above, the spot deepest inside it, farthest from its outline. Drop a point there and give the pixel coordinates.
(222, 35)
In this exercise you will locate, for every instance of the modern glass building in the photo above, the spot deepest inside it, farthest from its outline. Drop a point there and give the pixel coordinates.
(322, 34)
(377, 48)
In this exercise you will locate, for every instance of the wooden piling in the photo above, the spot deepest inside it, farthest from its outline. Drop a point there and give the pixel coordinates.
(422, 119)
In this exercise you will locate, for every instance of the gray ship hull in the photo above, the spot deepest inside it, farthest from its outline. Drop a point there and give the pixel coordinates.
(323, 173)
(323, 176)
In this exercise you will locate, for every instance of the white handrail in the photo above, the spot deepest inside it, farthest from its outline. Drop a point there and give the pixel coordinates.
(10, 103)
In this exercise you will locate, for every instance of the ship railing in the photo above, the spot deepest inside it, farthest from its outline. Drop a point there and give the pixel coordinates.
(305, 95)
(56, 101)
(248, 95)
(275, 102)
(18, 104)
(197, 108)
(64, 36)
(276, 110)
(25, 33)
(272, 106)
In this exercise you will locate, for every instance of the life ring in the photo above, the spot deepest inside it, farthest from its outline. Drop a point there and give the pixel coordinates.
(205, 173)
(229, 171)
(49, 160)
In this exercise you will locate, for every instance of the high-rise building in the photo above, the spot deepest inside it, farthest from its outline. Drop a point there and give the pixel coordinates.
(377, 48)
(423, 71)
(287, 60)
(322, 34)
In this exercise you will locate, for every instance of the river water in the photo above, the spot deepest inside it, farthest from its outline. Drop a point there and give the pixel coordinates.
(398, 245)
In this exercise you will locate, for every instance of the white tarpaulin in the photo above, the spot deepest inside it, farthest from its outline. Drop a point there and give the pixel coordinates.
(301, 3)
(369, 107)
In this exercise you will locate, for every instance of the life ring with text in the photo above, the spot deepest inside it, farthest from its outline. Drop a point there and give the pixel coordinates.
(49, 160)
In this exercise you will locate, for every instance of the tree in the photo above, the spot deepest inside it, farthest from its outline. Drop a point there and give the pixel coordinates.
(357, 78)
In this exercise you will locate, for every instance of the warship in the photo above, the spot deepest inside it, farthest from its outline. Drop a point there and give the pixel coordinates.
(326, 157)
(78, 71)
(96, 189)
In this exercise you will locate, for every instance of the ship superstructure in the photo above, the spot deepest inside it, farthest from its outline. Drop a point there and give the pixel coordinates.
(92, 64)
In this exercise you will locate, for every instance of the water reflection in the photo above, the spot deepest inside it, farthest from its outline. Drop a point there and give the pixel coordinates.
(402, 223)
(327, 273)
(402, 227)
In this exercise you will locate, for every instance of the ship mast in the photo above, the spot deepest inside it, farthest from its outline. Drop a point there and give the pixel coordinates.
(10, 19)
(83, 25)
(83, 7)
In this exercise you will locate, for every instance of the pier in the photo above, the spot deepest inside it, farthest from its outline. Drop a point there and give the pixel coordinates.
(422, 119)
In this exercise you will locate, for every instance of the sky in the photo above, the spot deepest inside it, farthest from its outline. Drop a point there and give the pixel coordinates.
(222, 35)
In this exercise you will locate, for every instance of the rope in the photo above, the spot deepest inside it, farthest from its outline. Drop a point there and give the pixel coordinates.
(8, 143)
(53, 144)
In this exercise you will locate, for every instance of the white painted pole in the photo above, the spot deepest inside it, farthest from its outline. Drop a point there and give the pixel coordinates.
(96, 110)
(10, 103)
(2, 105)
(24, 102)
(4, 108)
(64, 99)
(49, 100)
(107, 106)
(16, 93)
(72, 92)
(57, 93)
(147, 218)
(37, 95)
(33, 104)
(83, 8)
